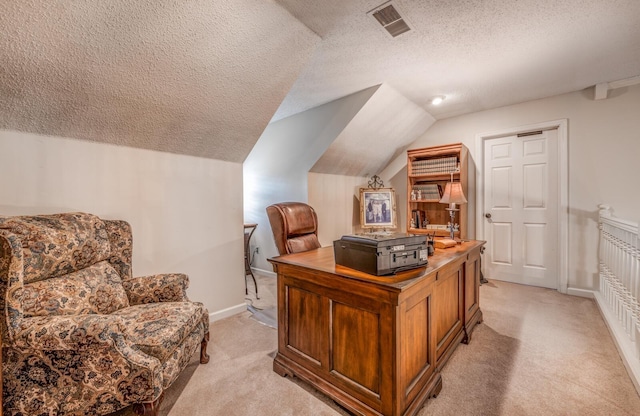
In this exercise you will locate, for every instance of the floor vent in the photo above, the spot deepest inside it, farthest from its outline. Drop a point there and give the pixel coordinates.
(389, 18)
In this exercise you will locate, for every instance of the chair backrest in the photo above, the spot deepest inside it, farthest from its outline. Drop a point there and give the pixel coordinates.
(58, 244)
(294, 226)
(64, 264)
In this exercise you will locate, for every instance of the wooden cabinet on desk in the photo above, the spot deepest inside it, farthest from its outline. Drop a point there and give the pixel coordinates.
(375, 344)
(428, 171)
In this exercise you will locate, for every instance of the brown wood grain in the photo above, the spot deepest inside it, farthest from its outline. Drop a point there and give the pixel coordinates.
(303, 312)
(356, 334)
(375, 344)
(416, 352)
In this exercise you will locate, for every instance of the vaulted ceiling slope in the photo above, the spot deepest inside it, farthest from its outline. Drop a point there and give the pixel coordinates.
(356, 135)
(195, 77)
(383, 128)
(480, 54)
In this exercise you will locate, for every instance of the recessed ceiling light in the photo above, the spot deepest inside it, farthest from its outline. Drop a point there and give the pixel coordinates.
(437, 100)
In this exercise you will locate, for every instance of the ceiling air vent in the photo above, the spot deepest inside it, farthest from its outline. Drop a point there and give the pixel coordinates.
(389, 18)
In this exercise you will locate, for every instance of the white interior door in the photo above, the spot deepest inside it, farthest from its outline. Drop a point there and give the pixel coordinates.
(521, 208)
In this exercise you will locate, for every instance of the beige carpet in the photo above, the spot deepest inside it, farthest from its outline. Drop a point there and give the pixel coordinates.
(537, 353)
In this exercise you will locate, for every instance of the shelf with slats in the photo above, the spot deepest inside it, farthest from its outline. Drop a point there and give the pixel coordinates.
(435, 166)
(429, 169)
(436, 176)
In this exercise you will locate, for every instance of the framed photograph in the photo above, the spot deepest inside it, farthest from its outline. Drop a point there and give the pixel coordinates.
(377, 208)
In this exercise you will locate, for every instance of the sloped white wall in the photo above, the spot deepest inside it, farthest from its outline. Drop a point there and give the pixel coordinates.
(185, 211)
(604, 144)
(276, 169)
(384, 127)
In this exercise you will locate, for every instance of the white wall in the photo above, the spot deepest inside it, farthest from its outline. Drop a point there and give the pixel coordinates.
(186, 212)
(399, 183)
(604, 144)
(335, 199)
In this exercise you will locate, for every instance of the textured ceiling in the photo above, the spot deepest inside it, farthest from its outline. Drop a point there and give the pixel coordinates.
(481, 54)
(197, 77)
(203, 77)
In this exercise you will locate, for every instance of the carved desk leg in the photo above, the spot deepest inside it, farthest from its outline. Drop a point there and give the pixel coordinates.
(282, 370)
(437, 388)
(204, 357)
(467, 336)
(467, 333)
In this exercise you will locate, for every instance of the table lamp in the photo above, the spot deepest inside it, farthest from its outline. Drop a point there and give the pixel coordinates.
(453, 195)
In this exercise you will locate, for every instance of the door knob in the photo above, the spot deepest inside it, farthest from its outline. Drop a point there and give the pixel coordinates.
(488, 215)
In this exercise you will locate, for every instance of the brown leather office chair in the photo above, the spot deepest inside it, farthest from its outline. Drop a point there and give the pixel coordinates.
(294, 226)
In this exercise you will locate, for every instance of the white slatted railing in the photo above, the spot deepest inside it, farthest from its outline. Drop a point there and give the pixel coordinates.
(619, 291)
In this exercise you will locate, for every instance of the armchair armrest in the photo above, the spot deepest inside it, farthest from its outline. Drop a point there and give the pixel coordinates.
(169, 287)
(91, 336)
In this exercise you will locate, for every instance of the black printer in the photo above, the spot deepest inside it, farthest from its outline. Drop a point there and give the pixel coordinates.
(381, 254)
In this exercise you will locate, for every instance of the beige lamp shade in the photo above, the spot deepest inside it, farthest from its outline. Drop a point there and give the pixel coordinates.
(453, 194)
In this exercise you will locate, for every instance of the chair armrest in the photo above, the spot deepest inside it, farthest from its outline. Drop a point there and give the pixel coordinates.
(168, 287)
(91, 336)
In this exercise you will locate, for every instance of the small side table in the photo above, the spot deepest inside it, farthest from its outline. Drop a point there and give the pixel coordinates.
(248, 232)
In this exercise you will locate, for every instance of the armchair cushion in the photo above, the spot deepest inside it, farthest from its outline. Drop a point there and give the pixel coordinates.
(70, 332)
(158, 328)
(95, 289)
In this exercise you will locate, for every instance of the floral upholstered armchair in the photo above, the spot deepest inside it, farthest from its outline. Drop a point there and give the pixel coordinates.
(80, 335)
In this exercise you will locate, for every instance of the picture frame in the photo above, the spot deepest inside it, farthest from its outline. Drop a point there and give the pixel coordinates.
(377, 208)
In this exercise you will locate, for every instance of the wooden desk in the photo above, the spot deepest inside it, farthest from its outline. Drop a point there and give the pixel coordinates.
(375, 344)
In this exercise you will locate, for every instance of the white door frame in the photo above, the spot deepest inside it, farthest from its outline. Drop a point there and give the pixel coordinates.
(563, 187)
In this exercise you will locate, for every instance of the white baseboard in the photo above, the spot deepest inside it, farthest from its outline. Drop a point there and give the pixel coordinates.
(225, 313)
(234, 310)
(621, 340)
(267, 272)
(583, 293)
